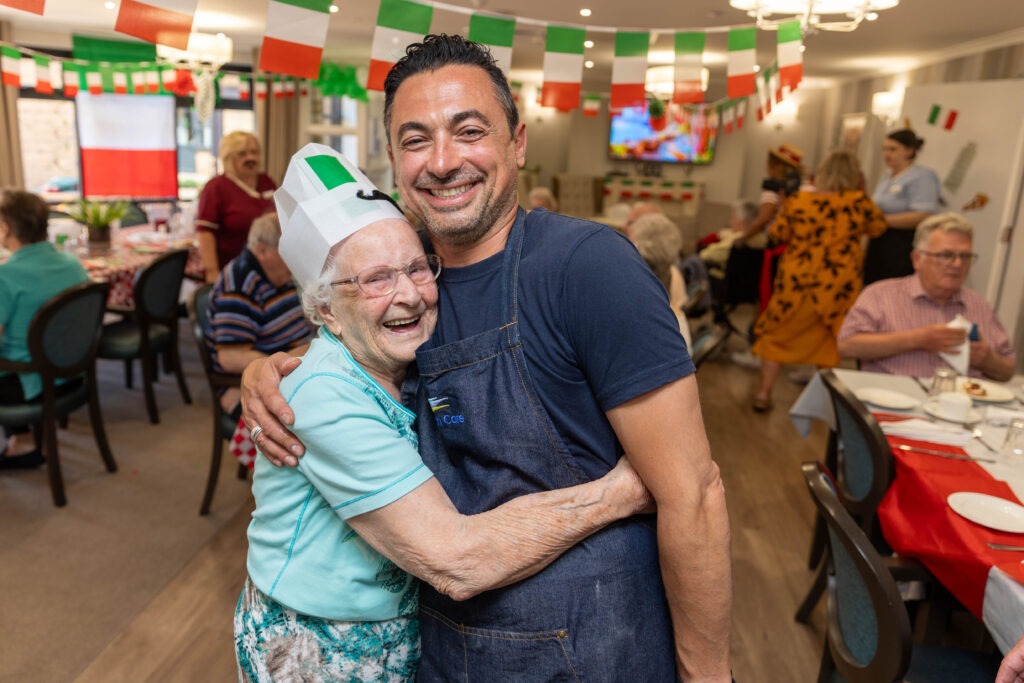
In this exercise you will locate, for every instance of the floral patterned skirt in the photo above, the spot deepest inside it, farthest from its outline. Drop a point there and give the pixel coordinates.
(274, 643)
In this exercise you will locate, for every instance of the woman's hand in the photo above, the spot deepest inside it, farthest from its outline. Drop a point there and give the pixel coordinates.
(264, 406)
(625, 481)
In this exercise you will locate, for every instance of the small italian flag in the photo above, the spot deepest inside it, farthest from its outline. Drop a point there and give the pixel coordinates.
(934, 116)
(517, 88)
(791, 59)
(741, 112)
(137, 82)
(629, 68)
(497, 34)
(277, 88)
(563, 68)
(591, 105)
(10, 62)
(296, 33)
(168, 77)
(728, 116)
(399, 23)
(764, 94)
(71, 79)
(289, 87)
(120, 80)
(168, 22)
(44, 83)
(93, 80)
(689, 63)
(261, 88)
(33, 6)
(742, 57)
(244, 88)
(152, 81)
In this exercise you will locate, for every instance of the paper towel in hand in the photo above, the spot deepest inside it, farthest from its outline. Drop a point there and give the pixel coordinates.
(960, 361)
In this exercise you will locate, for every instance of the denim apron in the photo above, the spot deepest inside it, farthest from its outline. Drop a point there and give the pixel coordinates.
(598, 613)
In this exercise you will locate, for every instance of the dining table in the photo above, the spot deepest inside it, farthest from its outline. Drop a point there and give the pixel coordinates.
(932, 464)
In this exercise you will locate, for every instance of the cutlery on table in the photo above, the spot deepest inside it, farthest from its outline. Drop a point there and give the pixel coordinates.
(1000, 546)
(977, 436)
(941, 454)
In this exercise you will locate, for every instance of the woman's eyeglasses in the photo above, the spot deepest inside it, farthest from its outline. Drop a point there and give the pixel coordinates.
(382, 280)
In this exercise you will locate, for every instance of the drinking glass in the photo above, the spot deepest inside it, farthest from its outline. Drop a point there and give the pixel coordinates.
(943, 381)
(1014, 442)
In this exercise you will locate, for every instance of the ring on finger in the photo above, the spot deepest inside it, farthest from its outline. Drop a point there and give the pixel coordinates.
(255, 433)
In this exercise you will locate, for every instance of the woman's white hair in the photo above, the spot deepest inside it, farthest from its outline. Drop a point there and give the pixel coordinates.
(319, 294)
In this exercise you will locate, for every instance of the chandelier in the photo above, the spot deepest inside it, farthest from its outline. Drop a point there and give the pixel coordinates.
(814, 15)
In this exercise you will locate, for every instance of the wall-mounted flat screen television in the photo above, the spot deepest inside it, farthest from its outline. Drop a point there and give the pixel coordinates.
(663, 131)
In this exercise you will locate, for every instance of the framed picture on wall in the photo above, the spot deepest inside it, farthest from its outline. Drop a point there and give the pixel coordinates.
(852, 130)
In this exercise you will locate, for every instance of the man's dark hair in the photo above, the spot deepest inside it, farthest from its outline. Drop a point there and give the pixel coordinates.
(438, 51)
(25, 213)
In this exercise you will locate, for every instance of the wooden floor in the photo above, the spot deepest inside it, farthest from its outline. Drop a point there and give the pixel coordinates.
(184, 635)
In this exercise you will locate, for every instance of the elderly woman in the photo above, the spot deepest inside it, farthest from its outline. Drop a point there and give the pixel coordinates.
(229, 203)
(907, 195)
(658, 240)
(34, 273)
(335, 543)
(819, 273)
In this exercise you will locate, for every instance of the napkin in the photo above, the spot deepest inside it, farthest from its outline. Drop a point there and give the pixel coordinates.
(1000, 417)
(923, 430)
(961, 360)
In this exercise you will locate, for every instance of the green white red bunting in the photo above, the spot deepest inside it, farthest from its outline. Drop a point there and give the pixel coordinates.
(497, 35)
(295, 37)
(71, 79)
(10, 63)
(261, 88)
(517, 88)
(740, 69)
(33, 6)
(629, 69)
(44, 82)
(689, 64)
(120, 80)
(728, 116)
(791, 59)
(764, 95)
(563, 68)
(591, 105)
(399, 23)
(741, 112)
(244, 88)
(168, 22)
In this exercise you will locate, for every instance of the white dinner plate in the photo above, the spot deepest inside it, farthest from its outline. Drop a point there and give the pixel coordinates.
(886, 398)
(931, 407)
(987, 392)
(991, 511)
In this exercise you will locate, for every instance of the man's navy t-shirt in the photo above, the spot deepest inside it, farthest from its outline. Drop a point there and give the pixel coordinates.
(595, 324)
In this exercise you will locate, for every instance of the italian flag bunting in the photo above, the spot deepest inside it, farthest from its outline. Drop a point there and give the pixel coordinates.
(277, 88)
(244, 88)
(741, 112)
(399, 23)
(563, 68)
(791, 59)
(152, 78)
(289, 88)
(71, 79)
(93, 80)
(775, 84)
(629, 69)
(168, 77)
(517, 88)
(296, 33)
(10, 63)
(261, 88)
(764, 95)
(689, 63)
(591, 105)
(742, 57)
(497, 34)
(120, 82)
(728, 116)
(168, 22)
(44, 83)
(33, 6)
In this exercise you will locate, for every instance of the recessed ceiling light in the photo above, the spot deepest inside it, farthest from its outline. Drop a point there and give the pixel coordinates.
(588, 43)
(334, 9)
(109, 4)
(756, 68)
(589, 64)
(584, 12)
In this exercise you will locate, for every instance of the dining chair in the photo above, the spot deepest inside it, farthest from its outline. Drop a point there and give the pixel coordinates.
(63, 338)
(868, 636)
(864, 469)
(223, 424)
(151, 328)
(706, 342)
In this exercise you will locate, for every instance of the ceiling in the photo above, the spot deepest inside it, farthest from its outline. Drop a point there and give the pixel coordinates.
(917, 31)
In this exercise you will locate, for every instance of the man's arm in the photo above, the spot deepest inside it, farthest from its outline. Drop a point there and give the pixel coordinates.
(663, 432)
(462, 556)
(991, 364)
(236, 358)
(933, 338)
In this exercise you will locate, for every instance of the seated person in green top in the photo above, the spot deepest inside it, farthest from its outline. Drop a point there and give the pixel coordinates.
(33, 274)
(335, 543)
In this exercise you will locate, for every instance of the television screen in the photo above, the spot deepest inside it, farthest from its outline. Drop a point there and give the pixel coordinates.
(669, 132)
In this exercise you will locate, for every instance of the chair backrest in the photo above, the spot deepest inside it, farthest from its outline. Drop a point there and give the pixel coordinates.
(864, 459)
(157, 289)
(64, 334)
(868, 629)
(134, 215)
(199, 316)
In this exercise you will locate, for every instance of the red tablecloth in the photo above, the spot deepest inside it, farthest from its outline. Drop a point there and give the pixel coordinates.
(917, 521)
(120, 263)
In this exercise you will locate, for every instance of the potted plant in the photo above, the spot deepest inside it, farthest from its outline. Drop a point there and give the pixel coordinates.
(98, 216)
(656, 111)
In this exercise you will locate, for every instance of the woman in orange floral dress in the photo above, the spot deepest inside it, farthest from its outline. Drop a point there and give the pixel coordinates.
(819, 275)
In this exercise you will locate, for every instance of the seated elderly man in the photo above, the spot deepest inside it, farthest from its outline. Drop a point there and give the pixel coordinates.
(901, 325)
(255, 309)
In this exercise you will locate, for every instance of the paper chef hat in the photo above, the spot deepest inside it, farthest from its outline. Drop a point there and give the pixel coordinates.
(324, 198)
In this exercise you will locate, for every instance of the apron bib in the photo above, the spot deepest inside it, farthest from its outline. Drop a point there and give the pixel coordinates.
(598, 613)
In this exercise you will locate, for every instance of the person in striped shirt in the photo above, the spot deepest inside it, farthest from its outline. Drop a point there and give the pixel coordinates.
(901, 325)
(255, 309)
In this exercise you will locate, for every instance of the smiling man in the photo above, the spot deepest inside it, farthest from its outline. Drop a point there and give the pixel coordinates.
(555, 351)
(899, 326)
